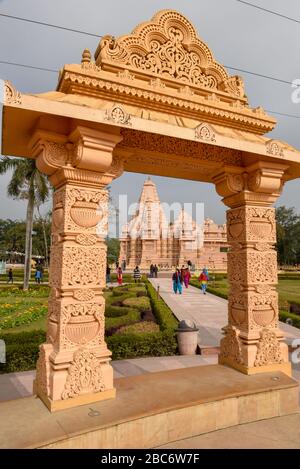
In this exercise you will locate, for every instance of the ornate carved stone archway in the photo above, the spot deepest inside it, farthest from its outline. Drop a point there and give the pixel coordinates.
(155, 102)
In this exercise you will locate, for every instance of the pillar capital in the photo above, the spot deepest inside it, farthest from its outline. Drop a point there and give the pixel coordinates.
(258, 184)
(85, 155)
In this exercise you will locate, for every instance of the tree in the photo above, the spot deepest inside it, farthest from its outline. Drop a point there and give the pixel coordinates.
(113, 249)
(288, 230)
(26, 183)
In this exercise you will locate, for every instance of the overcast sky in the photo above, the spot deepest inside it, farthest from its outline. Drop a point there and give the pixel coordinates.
(238, 35)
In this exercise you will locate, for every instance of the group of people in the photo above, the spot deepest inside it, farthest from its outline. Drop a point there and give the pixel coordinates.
(38, 276)
(153, 271)
(136, 274)
(182, 277)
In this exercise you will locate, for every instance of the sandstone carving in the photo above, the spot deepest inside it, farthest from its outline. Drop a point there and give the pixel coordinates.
(85, 375)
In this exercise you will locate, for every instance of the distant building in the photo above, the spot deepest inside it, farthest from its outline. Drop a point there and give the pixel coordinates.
(149, 238)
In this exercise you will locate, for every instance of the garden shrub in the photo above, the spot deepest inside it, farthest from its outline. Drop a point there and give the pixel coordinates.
(133, 315)
(38, 336)
(20, 357)
(162, 312)
(155, 344)
(139, 328)
(141, 293)
(142, 303)
(116, 311)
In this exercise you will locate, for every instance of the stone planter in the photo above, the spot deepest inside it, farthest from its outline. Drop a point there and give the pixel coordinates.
(187, 338)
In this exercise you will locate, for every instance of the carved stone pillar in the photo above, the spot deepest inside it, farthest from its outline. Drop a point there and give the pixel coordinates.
(253, 342)
(74, 364)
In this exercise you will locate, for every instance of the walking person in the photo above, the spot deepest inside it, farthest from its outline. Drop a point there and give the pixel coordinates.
(177, 282)
(38, 276)
(155, 270)
(151, 270)
(10, 276)
(186, 277)
(203, 279)
(137, 274)
(119, 276)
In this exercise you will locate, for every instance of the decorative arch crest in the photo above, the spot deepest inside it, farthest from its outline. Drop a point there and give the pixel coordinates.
(168, 47)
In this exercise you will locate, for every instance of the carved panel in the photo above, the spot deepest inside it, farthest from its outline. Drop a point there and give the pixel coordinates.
(117, 115)
(251, 224)
(82, 323)
(85, 375)
(169, 47)
(268, 349)
(274, 148)
(230, 347)
(205, 132)
(252, 267)
(11, 95)
(176, 146)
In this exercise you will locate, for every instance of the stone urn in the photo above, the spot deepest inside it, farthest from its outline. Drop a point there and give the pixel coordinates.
(187, 338)
(82, 332)
(85, 214)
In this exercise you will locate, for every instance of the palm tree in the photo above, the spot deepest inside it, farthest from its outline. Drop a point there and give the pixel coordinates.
(26, 183)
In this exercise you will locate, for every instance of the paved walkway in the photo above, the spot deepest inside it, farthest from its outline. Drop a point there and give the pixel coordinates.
(17, 385)
(208, 312)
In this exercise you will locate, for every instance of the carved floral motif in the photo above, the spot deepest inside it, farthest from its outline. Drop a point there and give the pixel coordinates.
(205, 132)
(117, 115)
(268, 349)
(176, 146)
(274, 148)
(230, 347)
(11, 95)
(169, 47)
(85, 375)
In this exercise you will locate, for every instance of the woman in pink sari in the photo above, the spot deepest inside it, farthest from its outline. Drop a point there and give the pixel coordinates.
(119, 276)
(186, 277)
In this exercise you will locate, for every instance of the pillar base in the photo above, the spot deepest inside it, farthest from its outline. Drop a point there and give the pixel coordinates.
(84, 399)
(283, 367)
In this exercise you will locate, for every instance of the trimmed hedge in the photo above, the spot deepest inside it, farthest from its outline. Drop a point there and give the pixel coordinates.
(20, 357)
(162, 312)
(116, 311)
(132, 316)
(22, 350)
(155, 344)
(142, 303)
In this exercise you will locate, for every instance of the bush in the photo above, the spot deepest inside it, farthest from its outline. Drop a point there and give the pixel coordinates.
(142, 303)
(132, 315)
(139, 328)
(155, 344)
(162, 312)
(116, 311)
(25, 337)
(20, 357)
